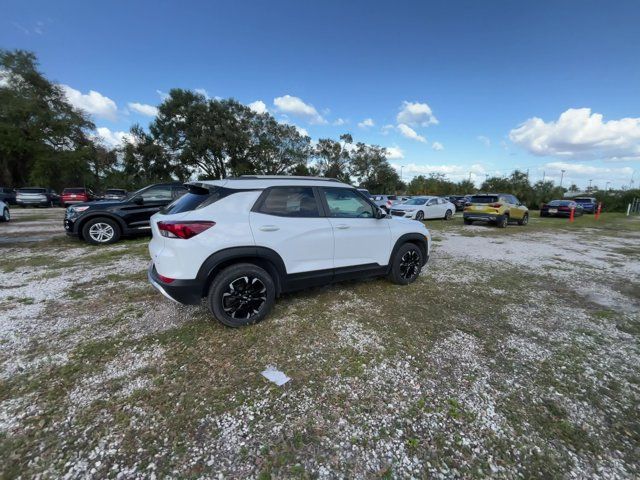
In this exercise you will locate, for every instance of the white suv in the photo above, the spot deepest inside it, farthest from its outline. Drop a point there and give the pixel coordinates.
(241, 242)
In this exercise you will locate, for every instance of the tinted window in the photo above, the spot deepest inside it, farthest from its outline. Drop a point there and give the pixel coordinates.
(561, 203)
(585, 200)
(289, 202)
(157, 194)
(484, 199)
(195, 198)
(32, 190)
(392, 197)
(347, 203)
(73, 190)
(115, 192)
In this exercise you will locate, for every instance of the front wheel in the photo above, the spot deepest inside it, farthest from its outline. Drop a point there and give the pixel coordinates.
(101, 231)
(448, 215)
(420, 215)
(6, 216)
(241, 294)
(406, 264)
(524, 220)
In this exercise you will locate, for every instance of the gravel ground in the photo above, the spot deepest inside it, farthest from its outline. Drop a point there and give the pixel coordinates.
(515, 354)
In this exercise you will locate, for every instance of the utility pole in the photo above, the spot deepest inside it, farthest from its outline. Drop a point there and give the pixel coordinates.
(401, 167)
(590, 180)
(544, 175)
(561, 177)
(606, 188)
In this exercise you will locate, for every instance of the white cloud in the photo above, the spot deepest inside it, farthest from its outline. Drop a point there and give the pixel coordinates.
(339, 121)
(93, 102)
(416, 114)
(394, 153)
(409, 132)
(578, 133)
(162, 95)
(437, 146)
(486, 141)
(386, 129)
(296, 107)
(112, 139)
(302, 131)
(585, 172)
(258, 106)
(366, 123)
(202, 92)
(143, 109)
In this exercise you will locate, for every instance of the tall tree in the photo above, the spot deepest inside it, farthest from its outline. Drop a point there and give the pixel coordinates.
(43, 139)
(332, 157)
(370, 168)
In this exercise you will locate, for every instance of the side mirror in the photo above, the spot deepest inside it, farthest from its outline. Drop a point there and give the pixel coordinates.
(138, 200)
(380, 214)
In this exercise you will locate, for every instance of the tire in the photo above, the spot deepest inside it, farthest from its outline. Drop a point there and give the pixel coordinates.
(101, 231)
(503, 222)
(406, 264)
(260, 298)
(467, 221)
(448, 214)
(6, 216)
(524, 220)
(420, 215)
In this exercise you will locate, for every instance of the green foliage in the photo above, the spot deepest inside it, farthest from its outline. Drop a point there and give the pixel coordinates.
(370, 168)
(437, 184)
(43, 139)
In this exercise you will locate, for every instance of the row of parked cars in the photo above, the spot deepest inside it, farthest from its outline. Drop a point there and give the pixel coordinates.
(46, 197)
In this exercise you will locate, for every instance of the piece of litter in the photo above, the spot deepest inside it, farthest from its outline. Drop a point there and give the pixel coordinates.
(275, 375)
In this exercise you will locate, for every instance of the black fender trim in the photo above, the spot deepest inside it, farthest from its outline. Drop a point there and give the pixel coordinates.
(262, 256)
(417, 238)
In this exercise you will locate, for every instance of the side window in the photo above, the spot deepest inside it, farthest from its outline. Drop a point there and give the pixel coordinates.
(347, 203)
(157, 194)
(290, 202)
(433, 201)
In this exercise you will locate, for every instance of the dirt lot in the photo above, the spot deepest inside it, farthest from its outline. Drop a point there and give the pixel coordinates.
(515, 354)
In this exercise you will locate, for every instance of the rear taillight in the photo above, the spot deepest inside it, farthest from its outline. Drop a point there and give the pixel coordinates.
(165, 279)
(184, 230)
(495, 205)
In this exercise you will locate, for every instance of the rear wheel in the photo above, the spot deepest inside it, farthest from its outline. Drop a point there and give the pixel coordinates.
(101, 231)
(241, 294)
(406, 264)
(420, 215)
(6, 216)
(524, 220)
(448, 215)
(503, 221)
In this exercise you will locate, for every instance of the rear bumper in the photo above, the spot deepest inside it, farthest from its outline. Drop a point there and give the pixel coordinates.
(33, 203)
(482, 217)
(188, 292)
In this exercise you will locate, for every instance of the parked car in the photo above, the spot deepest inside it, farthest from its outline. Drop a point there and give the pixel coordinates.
(382, 201)
(8, 195)
(5, 214)
(498, 208)
(36, 197)
(76, 195)
(560, 208)
(458, 200)
(589, 204)
(422, 208)
(107, 221)
(115, 194)
(241, 242)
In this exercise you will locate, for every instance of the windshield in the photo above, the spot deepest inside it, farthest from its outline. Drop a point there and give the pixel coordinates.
(484, 199)
(415, 201)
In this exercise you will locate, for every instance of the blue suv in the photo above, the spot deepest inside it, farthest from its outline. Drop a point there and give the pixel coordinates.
(589, 204)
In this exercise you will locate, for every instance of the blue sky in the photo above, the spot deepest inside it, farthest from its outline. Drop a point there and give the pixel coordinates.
(456, 87)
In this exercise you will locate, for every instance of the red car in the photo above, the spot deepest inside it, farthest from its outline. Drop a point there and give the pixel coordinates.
(75, 195)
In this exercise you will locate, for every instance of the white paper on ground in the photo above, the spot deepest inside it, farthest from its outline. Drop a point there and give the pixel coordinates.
(275, 375)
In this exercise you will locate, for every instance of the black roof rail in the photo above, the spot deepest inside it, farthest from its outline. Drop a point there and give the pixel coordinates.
(283, 177)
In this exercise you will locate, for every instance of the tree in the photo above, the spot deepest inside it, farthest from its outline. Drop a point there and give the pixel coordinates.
(43, 139)
(371, 170)
(333, 158)
(465, 187)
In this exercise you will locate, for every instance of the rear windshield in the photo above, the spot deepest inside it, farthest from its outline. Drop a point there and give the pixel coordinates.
(197, 197)
(115, 192)
(585, 200)
(32, 190)
(73, 190)
(484, 199)
(560, 203)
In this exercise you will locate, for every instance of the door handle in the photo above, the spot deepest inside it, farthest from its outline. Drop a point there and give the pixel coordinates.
(342, 226)
(269, 228)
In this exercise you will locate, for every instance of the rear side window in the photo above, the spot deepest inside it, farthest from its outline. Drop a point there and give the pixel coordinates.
(289, 202)
(484, 199)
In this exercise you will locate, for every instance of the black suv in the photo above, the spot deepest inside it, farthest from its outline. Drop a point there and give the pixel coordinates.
(106, 221)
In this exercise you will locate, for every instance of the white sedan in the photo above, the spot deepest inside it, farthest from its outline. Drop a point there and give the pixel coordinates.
(422, 208)
(5, 215)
